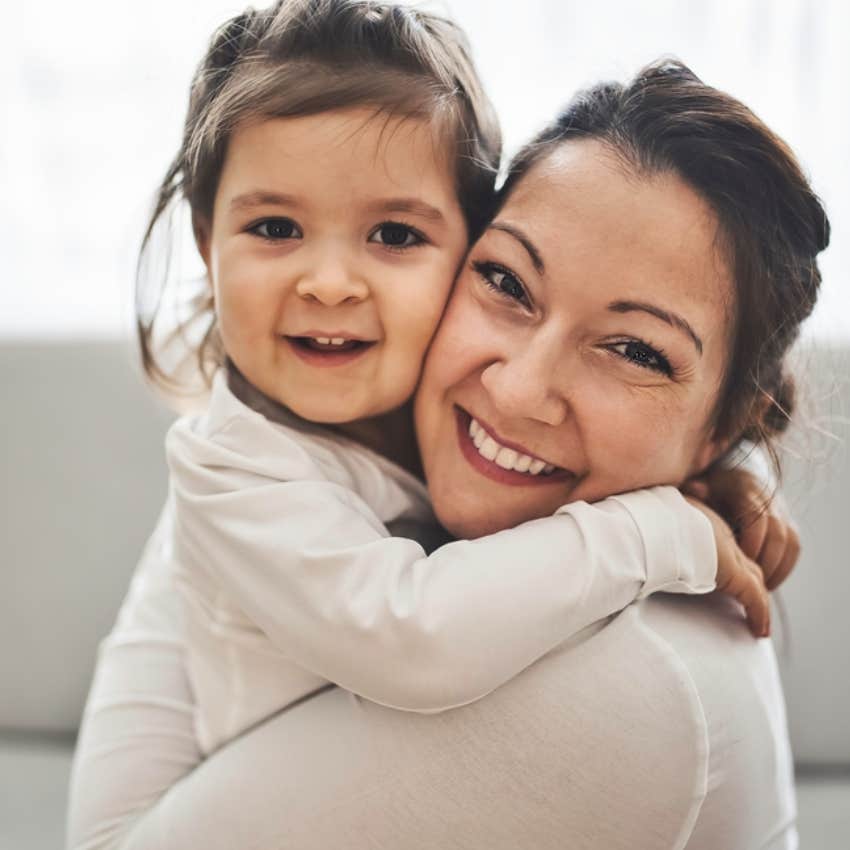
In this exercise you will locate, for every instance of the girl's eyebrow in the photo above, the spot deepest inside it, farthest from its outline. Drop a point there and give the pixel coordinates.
(522, 238)
(413, 206)
(258, 199)
(672, 319)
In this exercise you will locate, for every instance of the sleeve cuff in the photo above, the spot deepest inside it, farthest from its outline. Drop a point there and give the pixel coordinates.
(681, 555)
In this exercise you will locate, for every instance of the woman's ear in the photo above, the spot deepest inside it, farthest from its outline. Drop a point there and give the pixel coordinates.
(714, 447)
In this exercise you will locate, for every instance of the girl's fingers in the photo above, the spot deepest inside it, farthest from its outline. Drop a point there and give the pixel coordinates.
(773, 551)
(754, 529)
(756, 602)
(789, 560)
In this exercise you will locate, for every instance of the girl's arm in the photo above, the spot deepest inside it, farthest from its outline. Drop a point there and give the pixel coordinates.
(313, 567)
(137, 734)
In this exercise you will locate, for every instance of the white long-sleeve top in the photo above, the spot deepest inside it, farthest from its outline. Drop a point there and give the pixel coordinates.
(290, 579)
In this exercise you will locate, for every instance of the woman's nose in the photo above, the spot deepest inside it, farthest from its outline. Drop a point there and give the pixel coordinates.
(331, 281)
(524, 385)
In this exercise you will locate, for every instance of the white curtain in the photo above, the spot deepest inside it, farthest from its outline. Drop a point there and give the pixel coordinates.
(93, 93)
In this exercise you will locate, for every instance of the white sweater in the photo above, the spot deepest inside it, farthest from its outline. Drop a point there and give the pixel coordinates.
(290, 579)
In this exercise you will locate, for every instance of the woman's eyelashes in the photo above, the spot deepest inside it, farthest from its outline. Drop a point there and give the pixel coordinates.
(397, 236)
(505, 283)
(643, 355)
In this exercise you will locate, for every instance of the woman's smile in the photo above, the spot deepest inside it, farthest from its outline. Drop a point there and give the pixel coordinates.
(500, 459)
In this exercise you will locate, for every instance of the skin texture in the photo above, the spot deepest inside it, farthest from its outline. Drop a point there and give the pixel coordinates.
(545, 359)
(364, 245)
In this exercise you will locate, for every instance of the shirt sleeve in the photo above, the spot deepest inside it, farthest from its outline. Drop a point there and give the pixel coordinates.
(314, 568)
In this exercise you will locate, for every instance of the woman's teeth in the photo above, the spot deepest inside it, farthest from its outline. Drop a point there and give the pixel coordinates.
(502, 456)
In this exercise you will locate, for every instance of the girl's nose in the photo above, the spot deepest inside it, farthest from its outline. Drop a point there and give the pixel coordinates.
(527, 384)
(332, 282)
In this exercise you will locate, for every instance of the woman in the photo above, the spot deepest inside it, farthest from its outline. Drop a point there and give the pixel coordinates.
(625, 318)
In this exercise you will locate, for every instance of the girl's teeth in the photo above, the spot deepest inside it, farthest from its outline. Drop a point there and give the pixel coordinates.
(337, 340)
(326, 340)
(323, 340)
(503, 456)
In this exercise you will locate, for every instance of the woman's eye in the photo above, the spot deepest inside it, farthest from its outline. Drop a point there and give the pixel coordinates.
(276, 229)
(643, 355)
(502, 281)
(393, 234)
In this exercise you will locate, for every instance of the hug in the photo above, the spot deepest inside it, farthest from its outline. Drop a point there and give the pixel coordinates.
(437, 559)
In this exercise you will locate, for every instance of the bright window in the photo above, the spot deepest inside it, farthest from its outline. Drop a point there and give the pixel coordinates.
(93, 97)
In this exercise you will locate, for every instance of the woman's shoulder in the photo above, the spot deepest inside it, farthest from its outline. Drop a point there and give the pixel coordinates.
(721, 698)
(669, 722)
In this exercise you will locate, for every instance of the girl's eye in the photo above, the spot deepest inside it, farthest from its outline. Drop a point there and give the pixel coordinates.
(275, 229)
(643, 355)
(393, 234)
(502, 281)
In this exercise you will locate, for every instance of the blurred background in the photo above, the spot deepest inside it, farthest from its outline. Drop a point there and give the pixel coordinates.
(92, 103)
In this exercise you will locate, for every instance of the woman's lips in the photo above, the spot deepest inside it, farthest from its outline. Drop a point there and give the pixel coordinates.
(327, 356)
(491, 469)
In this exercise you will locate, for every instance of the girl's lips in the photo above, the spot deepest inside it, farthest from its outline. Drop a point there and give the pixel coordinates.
(492, 470)
(327, 358)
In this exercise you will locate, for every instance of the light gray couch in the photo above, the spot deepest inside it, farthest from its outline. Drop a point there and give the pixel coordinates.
(83, 478)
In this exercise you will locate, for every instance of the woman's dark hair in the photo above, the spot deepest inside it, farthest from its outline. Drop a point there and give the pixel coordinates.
(303, 57)
(772, 225)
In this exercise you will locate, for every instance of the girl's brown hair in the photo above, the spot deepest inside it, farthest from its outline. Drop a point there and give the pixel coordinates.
(772, 225)
(303, 57)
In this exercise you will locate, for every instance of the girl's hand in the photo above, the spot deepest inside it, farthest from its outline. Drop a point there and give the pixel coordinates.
(737, 575)
(764, 531)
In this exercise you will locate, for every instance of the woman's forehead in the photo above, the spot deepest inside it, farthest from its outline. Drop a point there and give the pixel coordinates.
(587, 211)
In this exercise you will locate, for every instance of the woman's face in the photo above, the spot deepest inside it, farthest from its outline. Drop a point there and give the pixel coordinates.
(583, 349)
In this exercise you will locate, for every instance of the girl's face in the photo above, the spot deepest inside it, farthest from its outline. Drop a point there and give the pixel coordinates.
(583, 348)
(334, 242)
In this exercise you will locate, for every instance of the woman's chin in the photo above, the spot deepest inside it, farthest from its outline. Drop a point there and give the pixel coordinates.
(467, 521)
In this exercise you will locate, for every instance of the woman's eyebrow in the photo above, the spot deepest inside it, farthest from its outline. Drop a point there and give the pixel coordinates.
(672, 319)
(513, 230)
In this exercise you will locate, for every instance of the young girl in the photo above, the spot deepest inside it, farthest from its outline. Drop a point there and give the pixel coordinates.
(337, 158)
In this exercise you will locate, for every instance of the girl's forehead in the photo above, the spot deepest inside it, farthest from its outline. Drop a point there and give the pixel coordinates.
(356, 145)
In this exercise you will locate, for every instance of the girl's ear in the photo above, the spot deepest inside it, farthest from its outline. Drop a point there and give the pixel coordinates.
(202, 230)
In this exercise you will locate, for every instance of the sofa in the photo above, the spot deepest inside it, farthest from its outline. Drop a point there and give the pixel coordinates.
(84, 478)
